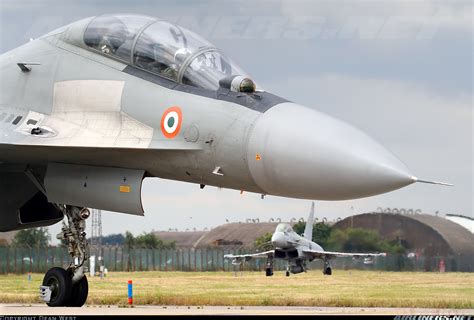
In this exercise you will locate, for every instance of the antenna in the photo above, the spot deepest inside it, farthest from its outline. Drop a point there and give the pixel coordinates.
(96, 237)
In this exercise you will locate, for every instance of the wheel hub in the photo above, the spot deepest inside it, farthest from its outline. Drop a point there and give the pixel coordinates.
(45, 293)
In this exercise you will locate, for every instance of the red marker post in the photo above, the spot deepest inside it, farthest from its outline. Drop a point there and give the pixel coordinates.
(442, 266)
(130, 292)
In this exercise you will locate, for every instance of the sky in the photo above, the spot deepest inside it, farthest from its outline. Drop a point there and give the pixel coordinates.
(399, 70)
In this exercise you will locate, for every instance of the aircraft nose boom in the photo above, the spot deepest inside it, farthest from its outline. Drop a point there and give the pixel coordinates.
(295, 151)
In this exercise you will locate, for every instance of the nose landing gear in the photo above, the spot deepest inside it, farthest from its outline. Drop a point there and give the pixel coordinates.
(327, 268)
(69, 287)
(269, 267)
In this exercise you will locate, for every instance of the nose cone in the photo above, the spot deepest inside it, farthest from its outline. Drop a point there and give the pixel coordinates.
(279, 240)
(299, 152)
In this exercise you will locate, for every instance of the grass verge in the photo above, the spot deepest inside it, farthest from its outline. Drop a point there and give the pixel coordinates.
(342, 289)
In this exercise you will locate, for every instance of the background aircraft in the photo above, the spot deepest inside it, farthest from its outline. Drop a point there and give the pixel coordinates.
(89, 110)
(296, 250)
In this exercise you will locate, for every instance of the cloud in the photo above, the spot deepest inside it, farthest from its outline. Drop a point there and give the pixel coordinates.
(385, 19)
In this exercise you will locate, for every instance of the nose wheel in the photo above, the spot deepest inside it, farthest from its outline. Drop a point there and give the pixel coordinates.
(79, 293)
(268, 272)
(56, 288)
(69, 287)
(269, 267)
(327, 268)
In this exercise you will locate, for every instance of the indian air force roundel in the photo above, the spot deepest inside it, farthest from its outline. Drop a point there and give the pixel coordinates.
(171, 122)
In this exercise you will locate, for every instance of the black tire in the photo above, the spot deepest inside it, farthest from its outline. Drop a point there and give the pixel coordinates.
(328, 271)
(60, 283)
(79, 293)
(288, 273)
(269, 272)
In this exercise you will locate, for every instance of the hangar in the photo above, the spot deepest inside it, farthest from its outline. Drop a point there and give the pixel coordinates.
(427, 235)
(236, 234)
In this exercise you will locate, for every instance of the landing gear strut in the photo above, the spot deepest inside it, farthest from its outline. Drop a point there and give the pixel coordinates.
(287, 273)
(327, 268)
(69, 287)
(269, 267)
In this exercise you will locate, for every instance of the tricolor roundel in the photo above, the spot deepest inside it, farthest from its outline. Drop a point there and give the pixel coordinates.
(171, 122)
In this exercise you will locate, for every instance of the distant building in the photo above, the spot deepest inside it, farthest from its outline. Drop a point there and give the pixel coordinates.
(224, 236)
(182, 239)
(235, 235)
(427, 235)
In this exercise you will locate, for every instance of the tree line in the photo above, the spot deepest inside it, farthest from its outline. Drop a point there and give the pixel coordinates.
(347, 240)
(40, 237)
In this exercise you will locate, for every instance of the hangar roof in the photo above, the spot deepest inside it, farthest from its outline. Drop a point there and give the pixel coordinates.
(182, 239)
(466, 222)
(236, 234)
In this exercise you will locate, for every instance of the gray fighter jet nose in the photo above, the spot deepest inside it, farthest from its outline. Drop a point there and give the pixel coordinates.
(295, 151)
(279, 240)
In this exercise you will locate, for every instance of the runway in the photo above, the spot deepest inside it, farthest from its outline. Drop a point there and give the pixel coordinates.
(42, 310)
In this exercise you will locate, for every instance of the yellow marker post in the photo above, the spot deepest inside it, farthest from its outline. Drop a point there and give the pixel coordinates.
(125, 189)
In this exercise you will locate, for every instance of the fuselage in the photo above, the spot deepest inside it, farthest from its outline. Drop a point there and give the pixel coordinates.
(97, 110)
(285, 239)
(214, 132)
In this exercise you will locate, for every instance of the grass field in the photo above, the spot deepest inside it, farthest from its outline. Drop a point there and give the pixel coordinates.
(342, 289)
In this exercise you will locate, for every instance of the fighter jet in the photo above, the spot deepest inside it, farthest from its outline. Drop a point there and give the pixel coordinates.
(296, 250)
(89, 110)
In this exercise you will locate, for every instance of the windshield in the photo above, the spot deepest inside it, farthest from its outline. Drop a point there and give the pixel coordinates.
(114, 35)
(284, 227)
(162, 48)
(207, 68)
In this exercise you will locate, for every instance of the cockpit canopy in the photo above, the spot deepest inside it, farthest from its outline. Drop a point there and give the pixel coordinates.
(162, 48)
(284, 227)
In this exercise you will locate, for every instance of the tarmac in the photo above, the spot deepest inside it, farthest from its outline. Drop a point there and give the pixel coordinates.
(38, 310)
